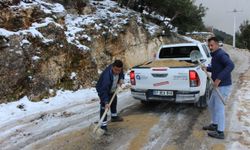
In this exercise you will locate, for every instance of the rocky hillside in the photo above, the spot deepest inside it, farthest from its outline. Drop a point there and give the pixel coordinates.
(45, 45)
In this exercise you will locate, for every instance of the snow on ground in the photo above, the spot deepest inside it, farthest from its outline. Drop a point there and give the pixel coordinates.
(24, 107)
(24, 123)
(241, 124)
(241, 121)
(239, 111)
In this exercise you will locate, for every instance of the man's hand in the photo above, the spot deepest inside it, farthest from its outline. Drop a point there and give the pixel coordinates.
(216, 83)
(121, 81)
(107, 106)
(123, 86)
(203, 67)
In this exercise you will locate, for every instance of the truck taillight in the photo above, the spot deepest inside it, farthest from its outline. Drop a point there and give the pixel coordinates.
(194, 78)
(132, 77)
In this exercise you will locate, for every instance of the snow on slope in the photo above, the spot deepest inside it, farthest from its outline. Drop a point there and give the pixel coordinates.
(107, 11)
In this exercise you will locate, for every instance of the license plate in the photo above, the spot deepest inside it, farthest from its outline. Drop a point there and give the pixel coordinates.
(163, 93)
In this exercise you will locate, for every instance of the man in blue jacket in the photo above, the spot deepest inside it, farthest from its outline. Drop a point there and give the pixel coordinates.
(221, 68)
(110, 79)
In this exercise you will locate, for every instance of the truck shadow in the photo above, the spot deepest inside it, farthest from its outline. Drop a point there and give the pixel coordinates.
(159, 108)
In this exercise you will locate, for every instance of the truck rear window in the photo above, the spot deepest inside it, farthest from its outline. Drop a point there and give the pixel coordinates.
(177, 52)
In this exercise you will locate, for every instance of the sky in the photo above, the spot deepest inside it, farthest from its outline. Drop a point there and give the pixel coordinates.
(219, 14)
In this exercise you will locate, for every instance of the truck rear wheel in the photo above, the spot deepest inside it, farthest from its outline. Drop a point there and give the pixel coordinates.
(144, 102)
(203, 101)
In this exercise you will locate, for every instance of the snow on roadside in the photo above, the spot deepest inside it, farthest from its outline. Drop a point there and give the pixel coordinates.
(24, 124)
(24, 107)
(241, 122)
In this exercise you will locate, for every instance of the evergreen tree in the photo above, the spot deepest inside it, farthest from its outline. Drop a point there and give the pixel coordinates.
(243, 36)
(184, 14)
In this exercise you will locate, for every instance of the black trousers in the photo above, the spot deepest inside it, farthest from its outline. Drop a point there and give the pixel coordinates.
(113, 108)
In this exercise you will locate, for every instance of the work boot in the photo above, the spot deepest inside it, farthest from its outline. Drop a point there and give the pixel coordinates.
(106, 133)
(104, 128)
(216, 134)
(116, 119)
(211, 127)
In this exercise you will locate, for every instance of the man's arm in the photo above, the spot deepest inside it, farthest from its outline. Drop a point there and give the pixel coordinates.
(105, 89)
(226, 61)
(121, 78)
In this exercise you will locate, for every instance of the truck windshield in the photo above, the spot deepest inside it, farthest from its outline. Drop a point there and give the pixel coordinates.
(177, 52)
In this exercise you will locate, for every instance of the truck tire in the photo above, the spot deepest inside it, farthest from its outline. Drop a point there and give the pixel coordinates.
(203, 101)
(144, 102)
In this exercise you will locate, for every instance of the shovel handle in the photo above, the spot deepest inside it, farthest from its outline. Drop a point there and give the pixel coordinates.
(216, 89)
(106, 110)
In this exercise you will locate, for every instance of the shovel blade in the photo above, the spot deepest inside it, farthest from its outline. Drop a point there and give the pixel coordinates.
(95, 131)
(195, 55)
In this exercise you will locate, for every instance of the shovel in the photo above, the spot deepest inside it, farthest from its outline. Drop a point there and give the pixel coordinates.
(96, 131)
(196, 56)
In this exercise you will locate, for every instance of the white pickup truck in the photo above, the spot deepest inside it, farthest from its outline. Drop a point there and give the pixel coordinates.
(172, 76)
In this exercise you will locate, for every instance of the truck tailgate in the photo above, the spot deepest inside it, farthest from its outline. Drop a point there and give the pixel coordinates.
(162, 78)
